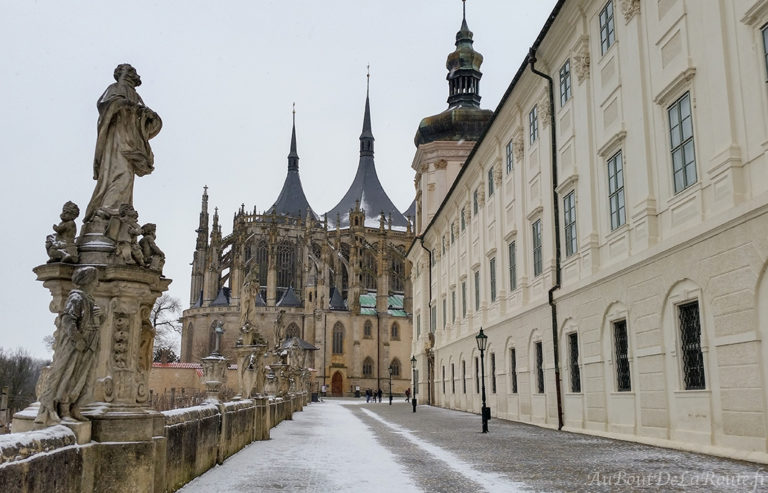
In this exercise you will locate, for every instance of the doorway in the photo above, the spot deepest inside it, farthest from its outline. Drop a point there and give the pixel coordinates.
(336, 384)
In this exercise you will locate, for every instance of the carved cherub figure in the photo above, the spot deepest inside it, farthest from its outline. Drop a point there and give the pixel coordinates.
(154, 258)
(61, 244)
(128, 249)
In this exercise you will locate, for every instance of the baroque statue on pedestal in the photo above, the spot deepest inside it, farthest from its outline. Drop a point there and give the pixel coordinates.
(61, 245)
(125, 127)
(76, 342)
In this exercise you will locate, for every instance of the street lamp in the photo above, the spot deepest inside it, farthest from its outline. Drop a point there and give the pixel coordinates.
(413, 394)
(482, 341)
(390, 384)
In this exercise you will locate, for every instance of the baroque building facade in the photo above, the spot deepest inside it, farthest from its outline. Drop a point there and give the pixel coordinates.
(339, 283)
(608, 232)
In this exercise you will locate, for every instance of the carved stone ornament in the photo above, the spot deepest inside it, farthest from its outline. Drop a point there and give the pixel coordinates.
(629, 8)
(545, 112)
(441, 164)
(424, 167)
(128, 250)
(61, 245)
(497, 175)
(518, 145)
(66, 387)
(154, 258)
(581, 59)
(481, 196)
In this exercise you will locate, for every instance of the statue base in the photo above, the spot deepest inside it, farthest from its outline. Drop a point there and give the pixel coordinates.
(25, 421)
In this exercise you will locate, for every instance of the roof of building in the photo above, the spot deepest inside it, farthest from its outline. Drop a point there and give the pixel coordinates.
(289, 298)
(366, 190)
(222, 299)
(292, 201)
(337, 301)
(302, 344)
(394, 305)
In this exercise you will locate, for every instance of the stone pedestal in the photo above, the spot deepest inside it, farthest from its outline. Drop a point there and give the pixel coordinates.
(214, 375)
(118, 412)
(250, 370)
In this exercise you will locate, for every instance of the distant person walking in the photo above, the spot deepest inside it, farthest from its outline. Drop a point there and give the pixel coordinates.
(407, 394)
(380, 394)
(367, 395)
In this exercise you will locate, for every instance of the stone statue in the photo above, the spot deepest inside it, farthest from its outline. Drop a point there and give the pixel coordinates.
(154, 258)
(128, 249)
(125, 127)
(279, 328)
(61, 245)
(248, 297)
(77, 339)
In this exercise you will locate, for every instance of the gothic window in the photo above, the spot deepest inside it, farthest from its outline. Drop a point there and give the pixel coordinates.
(616, 190)
(369, 270)
(621, 350)
(261, 262)
(367, 368)
(690, 346)
(681, 143)
(513, 369)
(397, 272)
(539, 368)
(395, 332)
(286, 265)
(573, 346)
(395, 365)
(565, 82)
(293, 330)
(607, 31)
(344, 270)
(367, 329)
(338, 338)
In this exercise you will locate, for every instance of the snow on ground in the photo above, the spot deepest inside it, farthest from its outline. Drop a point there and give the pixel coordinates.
(325, 448)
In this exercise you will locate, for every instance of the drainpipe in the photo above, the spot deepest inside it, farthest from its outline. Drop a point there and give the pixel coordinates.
(556, 213)
(429, 252)
(378, 351)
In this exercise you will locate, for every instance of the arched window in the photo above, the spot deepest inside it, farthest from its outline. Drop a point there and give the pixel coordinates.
(292, 331)
(395, 365)
(368, 368)
(367, 329)
(397, 273)
(338, 338)
(286, 264)
(369, 270)
(395, 333)
(261, 262)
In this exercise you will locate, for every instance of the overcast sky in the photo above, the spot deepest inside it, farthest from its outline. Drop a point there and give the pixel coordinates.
(222, 76)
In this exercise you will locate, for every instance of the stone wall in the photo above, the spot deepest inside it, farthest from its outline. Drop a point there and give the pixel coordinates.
(194, 440)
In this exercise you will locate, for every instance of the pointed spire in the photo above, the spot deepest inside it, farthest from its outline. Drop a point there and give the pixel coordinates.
(464, 68)
(293, 156)
(202, 227)
(366, 137)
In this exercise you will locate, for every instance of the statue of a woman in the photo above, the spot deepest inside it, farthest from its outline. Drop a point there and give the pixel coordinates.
(122, 146)
(77, 340)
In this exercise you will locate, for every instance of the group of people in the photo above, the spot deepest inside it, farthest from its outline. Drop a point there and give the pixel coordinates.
(371, 395)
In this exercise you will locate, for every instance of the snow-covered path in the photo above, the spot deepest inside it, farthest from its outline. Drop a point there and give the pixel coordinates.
(324, 448)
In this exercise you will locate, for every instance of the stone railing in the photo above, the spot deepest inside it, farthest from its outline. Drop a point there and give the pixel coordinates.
(190, 441)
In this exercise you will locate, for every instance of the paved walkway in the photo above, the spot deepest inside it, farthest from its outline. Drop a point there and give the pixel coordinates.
(347, 445)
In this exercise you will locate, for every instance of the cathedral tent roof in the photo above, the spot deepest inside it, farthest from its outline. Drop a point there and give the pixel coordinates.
(302, 344)
(292, 201)
(336, 302)
(289, 299)
(222, 299)
(366, 189)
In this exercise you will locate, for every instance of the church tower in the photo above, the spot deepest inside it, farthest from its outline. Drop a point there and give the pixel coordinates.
(444, 141)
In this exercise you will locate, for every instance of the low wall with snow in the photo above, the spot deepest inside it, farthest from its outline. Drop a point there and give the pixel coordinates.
(194, 440)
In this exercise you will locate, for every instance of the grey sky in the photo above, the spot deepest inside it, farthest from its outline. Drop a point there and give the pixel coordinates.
(222, 76)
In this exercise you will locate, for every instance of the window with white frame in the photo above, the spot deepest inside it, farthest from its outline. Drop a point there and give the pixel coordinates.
(490, 181)
(418, 325)
(607, 31)
(616, 190)
(690, 346)
(453, 232)
(510, 156)
(537, 263)
(443, 243)
(565, 82)
(477, 375)
(492, 272)
(475, 202)
(443, 379)
(453, 378)
(533, 125)
(512, 267)
(462, 220)
(433, 319)
(463, 299)
(477, 290)
(445, 313)
(493, 373)
(464, 376)
(453, 306)
(681, 143)
(569, 216)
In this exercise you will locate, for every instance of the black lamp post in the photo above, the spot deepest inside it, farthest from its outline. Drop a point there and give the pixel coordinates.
(390, 384)
(413, 394)
(482, 341)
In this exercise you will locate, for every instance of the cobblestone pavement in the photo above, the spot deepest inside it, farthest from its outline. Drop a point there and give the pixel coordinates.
(348, 445)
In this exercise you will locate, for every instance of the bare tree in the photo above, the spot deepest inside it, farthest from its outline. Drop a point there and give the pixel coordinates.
(19, 372)
(165, 319)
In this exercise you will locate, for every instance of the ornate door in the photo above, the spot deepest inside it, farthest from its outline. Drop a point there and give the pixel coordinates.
(336, 383)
